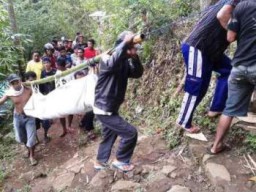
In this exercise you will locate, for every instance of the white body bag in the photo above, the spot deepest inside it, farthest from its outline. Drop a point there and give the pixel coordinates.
(74, 97)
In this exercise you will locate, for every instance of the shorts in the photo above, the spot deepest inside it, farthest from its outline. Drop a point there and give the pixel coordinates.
(25, 129)
(241, 84)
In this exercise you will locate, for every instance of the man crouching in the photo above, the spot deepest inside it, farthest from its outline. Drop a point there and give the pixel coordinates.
(24, 126)
(110, 91)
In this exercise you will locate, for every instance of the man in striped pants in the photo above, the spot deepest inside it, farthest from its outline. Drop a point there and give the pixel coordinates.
(203, 52)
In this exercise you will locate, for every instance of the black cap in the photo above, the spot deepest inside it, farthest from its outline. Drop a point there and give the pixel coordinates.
(12, 77)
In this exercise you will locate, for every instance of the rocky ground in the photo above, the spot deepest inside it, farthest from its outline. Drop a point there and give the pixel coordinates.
(66, 164)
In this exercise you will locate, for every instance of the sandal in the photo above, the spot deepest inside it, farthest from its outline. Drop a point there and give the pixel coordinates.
(100, 166)
(220, 149)
(124, 167)
(192, 130)
(33, 162)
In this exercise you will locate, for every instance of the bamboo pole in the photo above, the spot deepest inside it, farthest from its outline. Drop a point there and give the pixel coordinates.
(67, 72)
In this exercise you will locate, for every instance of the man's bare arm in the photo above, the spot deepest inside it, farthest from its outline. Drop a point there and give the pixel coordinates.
(224, 15)
(3, 99)
(231, 36)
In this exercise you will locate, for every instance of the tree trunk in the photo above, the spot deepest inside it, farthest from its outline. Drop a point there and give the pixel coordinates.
(17, 43)
(12, 18)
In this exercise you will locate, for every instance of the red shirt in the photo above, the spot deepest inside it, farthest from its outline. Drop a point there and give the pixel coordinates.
(89, 53)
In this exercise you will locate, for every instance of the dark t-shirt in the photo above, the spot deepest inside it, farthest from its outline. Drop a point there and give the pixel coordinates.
(50, 86)
(208, 35)
(244, 24)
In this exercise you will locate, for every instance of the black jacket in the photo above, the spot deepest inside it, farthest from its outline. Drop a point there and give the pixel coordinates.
(113, 77)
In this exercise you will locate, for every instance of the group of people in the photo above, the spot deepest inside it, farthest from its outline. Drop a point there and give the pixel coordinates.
(203, 51)
(58, 56)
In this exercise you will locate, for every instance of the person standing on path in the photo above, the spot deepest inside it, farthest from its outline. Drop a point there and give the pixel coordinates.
(115, 71)
(203, 52)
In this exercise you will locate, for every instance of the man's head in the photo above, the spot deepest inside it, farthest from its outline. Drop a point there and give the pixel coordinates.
(61, 63)
(91, 43)
(47, 63)
(80, 38)
(65, 43)
(63, 51)
(79, 75)
(30, 76)
(54, 43)
(70, 42)
(49, 49)
(127, 36)
(80, 52)
(14, 81)
(36, 56)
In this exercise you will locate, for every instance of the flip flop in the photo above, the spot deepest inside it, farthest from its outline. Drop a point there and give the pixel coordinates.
(223, 148)
(121, 166)
(101, 166)
(192, 130)
(33, 162)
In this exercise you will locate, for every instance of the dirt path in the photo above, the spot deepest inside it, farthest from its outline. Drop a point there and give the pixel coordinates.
(66, 164)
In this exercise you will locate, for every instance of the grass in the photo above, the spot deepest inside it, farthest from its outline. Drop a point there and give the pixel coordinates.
(250, 141)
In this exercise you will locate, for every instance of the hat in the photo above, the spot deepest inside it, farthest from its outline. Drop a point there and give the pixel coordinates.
(48, 46)
(12, 77)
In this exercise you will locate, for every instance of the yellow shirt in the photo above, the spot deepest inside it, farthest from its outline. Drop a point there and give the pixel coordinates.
(36, 67)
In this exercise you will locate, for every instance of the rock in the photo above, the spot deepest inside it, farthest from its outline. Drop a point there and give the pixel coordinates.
(217, 173)
(167, 170)
(63, 181)
(249, 184)
(27, 176)
(146, 169)
(138, 109)
(197, 150)
(138, 170)
(125, 186)
(102, 179)
(219, 189)
(74, 164)
(178, 188)
(158, 182)
(206, 157)
(173, 175)
(31, 175)
(42, 185)
(142, 138)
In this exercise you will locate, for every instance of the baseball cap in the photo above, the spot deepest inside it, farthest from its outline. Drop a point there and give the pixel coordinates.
(12, 77)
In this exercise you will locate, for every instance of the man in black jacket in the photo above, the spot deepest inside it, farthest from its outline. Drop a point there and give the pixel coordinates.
(110, 91)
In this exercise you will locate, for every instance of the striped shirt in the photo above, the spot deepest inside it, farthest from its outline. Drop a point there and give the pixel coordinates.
(208, 35)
